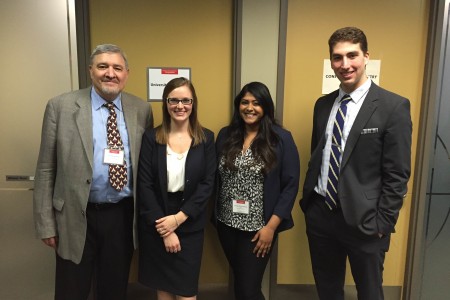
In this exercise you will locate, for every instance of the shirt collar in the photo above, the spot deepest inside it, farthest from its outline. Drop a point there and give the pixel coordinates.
(357, 94)
(98, 101)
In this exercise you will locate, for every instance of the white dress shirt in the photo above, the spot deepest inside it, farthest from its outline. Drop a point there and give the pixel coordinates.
(353, 108)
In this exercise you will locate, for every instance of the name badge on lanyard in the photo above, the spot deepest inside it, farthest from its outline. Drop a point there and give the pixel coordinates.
(241, 206)
(114, 156)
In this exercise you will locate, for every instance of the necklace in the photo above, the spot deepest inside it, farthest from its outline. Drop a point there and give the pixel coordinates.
(170, 152)
(179, 156)
(179, 139)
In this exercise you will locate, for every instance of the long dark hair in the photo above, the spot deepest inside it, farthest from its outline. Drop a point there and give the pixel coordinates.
(265, 140)
(195, 129)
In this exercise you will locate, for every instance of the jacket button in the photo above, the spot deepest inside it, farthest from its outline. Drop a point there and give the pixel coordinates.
(88, 181)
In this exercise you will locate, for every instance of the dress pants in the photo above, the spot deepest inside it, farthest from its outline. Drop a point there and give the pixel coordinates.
(331, 241)
(106, 259)
(248, 270)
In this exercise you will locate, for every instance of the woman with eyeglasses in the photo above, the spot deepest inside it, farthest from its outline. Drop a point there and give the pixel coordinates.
(258, 179)
(175, 180)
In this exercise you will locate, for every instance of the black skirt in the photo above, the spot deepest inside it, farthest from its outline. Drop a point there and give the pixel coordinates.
(176, 273)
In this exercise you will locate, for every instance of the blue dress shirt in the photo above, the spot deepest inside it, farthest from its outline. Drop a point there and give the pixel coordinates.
(101, 189)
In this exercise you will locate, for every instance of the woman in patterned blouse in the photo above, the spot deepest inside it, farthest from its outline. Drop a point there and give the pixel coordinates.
(258, 178)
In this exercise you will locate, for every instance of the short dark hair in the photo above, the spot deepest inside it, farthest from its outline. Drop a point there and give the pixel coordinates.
(108, 48)
(348, 34)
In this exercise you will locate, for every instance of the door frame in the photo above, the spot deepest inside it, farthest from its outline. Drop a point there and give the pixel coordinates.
(438, 34)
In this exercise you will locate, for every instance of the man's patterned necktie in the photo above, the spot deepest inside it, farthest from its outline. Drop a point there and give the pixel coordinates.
(331, 198)
(117, 173)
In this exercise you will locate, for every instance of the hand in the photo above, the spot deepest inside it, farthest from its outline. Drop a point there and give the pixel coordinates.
(166, 225)
(51, 242)
(264, 237)
(172, 243)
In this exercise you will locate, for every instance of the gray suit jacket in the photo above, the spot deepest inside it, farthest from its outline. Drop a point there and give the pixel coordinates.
(64, 168)
(376, 162)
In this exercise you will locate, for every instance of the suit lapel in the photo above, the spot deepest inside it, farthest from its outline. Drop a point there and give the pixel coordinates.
(130, 115)
(364, 115)
(162, 172)
(83, 119)
(319, 137)
(325, 112)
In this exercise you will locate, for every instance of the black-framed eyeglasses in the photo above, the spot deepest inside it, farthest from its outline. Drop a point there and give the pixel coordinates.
(175, 101)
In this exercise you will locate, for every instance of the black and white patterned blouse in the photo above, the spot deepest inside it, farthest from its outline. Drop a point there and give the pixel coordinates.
(246, 183)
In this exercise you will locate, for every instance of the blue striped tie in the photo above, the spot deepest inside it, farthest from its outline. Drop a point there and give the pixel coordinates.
(331, 198)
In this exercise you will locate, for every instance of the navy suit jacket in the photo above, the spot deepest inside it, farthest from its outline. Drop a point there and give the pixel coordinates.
(376, 162)
(281, 183)
(152, 182)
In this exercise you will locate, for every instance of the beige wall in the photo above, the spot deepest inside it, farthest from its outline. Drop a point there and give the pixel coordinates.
(177, 33)
(396, 32)
(198, 34)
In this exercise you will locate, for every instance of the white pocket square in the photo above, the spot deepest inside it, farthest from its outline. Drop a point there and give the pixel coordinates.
(369, 130)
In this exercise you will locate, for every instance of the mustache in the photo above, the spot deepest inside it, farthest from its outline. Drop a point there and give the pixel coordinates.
(110, 80)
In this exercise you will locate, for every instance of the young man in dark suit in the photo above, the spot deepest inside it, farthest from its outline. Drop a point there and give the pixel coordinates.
(358, 173)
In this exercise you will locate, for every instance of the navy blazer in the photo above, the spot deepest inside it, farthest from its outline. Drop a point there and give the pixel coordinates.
(280, 184)
(152, 182)
(376, 162)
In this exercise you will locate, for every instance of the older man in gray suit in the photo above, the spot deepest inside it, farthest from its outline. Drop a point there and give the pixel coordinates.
(83, 207)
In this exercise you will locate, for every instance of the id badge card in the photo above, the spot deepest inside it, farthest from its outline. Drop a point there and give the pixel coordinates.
(114, 156)
(241, 206)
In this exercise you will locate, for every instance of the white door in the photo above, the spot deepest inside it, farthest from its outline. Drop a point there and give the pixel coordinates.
(38, 59)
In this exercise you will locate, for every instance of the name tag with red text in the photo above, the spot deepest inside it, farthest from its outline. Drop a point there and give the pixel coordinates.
(241, 206)
(114, 157)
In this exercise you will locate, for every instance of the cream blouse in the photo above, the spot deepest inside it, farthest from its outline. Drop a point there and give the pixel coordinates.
(175, 170)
